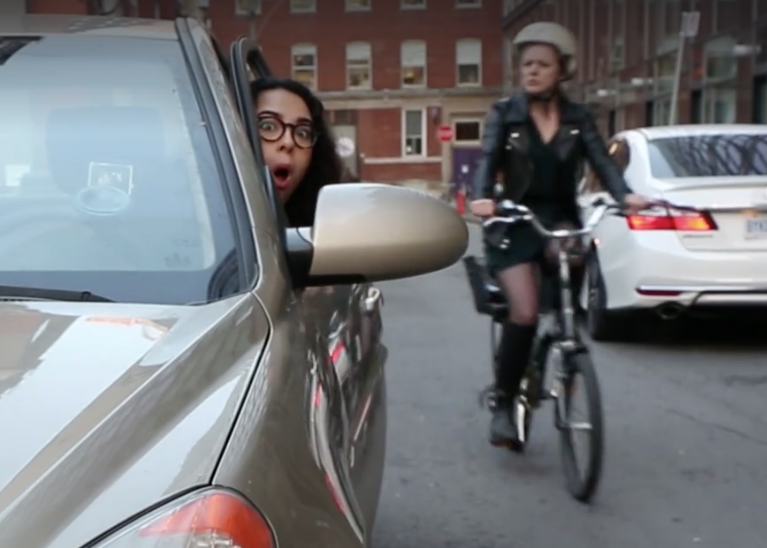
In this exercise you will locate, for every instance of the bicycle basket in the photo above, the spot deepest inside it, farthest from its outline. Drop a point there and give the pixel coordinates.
(476, 274)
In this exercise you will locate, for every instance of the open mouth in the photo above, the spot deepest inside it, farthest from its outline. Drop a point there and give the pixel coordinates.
(281, 176)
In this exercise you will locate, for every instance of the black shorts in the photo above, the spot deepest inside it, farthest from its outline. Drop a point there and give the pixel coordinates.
(526, 245)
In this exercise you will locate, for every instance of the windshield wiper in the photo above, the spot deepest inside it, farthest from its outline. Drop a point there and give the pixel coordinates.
(38, 293)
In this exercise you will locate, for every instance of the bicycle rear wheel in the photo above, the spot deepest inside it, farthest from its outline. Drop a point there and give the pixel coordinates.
(580, 377)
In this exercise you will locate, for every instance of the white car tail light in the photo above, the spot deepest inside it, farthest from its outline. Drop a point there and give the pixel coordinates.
(670, 219)
(207, 519)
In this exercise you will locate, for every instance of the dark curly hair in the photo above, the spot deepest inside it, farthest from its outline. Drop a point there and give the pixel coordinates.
(325, 167)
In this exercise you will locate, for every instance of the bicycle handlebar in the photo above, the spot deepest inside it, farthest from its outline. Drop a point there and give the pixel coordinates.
(509, 213)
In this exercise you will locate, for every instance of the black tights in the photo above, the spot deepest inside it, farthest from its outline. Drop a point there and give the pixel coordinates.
(521, 285)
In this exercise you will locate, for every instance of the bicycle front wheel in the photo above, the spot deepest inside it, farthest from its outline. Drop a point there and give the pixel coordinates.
(582, 474)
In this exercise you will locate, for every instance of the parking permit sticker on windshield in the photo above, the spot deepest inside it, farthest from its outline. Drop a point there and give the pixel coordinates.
(108, 190)
(119, 176)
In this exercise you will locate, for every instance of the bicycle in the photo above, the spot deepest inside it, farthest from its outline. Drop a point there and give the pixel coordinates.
(557, 334)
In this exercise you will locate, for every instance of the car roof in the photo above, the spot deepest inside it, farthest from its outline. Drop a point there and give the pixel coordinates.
(698, 130)
(58, 25)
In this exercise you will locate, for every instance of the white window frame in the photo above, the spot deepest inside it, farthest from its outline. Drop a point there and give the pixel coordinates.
(304, 49)
(404, 136)
(349, 7)
(367, 58)
(242, 7)
(408, 7)
(473, 42)
(457, 121)
(460, 5)
(297, 9)
(404, 64)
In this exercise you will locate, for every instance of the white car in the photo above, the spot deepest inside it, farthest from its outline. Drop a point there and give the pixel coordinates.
(674, 262)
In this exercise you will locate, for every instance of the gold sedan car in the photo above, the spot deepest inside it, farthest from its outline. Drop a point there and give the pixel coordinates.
(173, 373)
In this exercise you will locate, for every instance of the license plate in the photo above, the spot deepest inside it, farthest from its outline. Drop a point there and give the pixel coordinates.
(756, 228)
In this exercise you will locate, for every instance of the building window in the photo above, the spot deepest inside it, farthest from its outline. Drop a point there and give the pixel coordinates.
(760, 100)
(461, 4)
(661, 113)
(412, 4)
(665, 67)
(358, 5)
(467, 131)
(720, 61)
(413, 133)
(303, 6)
(719, 105)
(413, 61)
(359, 73)
(304, 64)
(468, 55)
(247, 7)
(761, 47)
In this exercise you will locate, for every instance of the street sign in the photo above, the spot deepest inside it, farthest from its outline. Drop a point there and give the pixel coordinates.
(690, 24)
(445, 133)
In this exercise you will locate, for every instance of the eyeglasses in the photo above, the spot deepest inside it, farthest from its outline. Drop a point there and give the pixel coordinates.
(273, 129)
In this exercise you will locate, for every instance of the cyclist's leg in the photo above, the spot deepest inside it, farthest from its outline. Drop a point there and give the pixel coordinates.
(520, 285)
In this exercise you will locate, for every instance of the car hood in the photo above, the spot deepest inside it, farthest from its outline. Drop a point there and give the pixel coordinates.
(106, 409)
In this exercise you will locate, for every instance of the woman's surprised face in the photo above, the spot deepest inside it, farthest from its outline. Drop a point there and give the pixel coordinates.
(540, 68)
(287, 138)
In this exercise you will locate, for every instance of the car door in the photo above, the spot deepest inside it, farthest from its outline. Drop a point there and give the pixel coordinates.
(346, 319)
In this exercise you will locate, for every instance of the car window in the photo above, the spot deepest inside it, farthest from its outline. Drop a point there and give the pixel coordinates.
(620, 152)
(108, 177)
(708, 156)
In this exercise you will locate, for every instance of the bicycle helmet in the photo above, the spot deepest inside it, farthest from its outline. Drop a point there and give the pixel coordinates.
(554, 35)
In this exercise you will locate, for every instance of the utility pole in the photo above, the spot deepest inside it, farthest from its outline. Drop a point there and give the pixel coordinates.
(254, 7)
(688, 29)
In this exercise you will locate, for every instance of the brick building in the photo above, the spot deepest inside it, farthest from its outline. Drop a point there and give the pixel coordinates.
(391, 72)
(629, 50)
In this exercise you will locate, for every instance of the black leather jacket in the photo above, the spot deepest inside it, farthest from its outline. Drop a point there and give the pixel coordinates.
(505, 142)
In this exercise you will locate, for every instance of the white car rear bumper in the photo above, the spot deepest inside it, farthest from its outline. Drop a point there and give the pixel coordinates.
(655, 269)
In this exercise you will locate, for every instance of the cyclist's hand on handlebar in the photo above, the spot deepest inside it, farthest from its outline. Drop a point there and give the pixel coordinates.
(482, 208)
(635, 203)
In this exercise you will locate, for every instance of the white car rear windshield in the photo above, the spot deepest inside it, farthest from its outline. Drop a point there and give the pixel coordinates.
(108, 181)
(730, 155)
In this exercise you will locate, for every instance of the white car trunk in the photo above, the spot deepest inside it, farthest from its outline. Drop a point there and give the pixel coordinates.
(738, 205)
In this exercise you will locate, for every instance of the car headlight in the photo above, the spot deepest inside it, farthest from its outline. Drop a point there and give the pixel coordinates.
(213, 518)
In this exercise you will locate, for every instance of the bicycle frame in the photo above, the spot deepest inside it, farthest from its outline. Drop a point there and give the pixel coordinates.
(566, 311)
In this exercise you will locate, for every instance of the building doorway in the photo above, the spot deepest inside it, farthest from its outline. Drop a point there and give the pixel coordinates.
(759, 109)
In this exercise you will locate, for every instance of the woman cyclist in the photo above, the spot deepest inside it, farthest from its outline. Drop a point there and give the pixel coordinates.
(534, 144)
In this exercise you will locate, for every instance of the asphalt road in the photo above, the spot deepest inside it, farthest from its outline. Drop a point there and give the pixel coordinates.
(686, 459)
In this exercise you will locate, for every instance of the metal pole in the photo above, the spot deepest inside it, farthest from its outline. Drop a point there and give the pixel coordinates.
(255, 9)
(672, 115)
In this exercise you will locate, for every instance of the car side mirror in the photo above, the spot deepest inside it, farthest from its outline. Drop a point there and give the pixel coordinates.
(368, 232)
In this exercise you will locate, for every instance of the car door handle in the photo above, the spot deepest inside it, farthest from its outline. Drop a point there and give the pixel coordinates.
(373, 301)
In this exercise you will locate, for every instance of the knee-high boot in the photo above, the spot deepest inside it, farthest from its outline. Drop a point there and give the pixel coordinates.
(513, 358)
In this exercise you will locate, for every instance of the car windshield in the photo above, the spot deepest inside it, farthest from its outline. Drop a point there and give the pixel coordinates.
(108, 181)
(724, 155)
